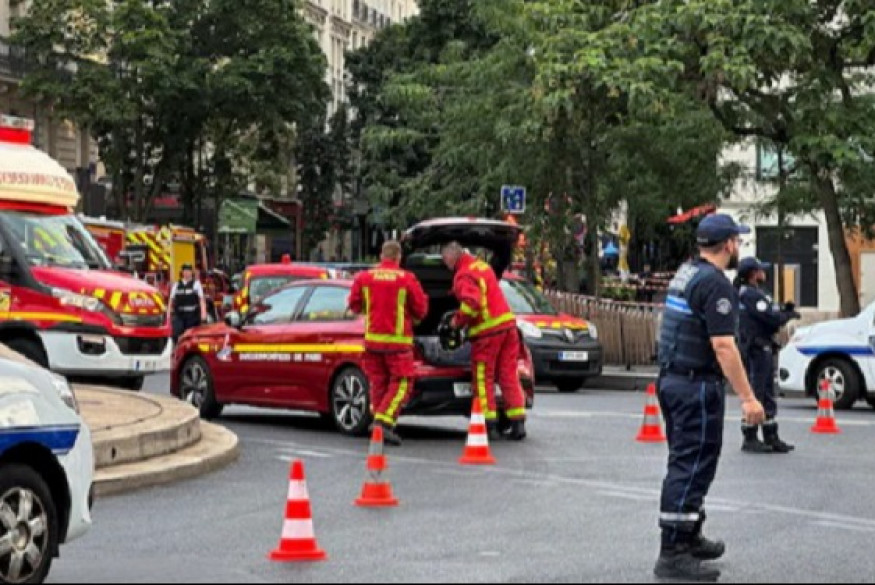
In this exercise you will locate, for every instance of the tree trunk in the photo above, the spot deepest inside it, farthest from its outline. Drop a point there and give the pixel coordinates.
(838, 245)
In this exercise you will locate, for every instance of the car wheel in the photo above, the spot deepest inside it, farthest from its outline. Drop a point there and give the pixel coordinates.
(871, 400)
(134, 384)
(845, 381)
(351, 403)
(28, 526)
(196, 387)
(570, 385)
(30, 349)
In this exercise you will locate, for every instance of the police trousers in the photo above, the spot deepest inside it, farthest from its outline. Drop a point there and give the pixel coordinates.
(694, 410)
(760, 365)
(183, 321)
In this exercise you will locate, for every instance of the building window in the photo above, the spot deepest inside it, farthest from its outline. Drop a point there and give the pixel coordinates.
(767, 162)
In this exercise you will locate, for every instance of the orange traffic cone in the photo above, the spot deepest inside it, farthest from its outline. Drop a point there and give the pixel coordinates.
(376, 493)
(298, 542)
(477, 450)
(651, 429)
(826, 418)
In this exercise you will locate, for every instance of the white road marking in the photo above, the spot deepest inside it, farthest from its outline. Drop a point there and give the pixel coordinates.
(627, 496)
(842, 526)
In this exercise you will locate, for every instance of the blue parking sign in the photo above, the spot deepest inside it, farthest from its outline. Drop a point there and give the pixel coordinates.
(513, 199)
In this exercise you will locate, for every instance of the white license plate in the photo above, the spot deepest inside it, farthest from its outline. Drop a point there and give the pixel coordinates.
(574, 356)
(463, 390)
(146, 366)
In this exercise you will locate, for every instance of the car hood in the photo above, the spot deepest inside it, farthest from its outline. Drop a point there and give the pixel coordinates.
(499, 237)
(121, 292)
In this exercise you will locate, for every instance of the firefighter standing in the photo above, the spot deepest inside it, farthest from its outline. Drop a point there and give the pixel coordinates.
(188, 306)
(392, 301)
(495, 342)
(761, 320)
(697, 353)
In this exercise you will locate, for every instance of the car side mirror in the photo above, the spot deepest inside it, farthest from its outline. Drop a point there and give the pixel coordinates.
(234, 320)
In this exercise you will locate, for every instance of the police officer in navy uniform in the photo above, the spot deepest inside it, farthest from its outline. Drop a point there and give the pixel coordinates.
(188, 305)
(761, 320)
(697, 354)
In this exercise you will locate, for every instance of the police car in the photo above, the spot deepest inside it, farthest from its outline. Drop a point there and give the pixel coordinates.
(842, 352)
(46, 471)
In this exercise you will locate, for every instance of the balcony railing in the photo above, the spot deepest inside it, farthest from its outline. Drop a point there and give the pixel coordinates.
(12, 61)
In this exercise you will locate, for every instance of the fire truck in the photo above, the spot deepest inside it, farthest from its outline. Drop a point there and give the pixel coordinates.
(110, 235)
(62, 305)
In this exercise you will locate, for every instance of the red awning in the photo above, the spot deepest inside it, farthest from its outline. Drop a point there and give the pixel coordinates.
(692, 214)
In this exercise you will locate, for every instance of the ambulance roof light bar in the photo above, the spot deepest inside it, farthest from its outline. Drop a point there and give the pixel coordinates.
(16, 130)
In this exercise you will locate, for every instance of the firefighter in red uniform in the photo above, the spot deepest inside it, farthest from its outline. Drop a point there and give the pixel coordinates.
(495, 342)
(392, 300)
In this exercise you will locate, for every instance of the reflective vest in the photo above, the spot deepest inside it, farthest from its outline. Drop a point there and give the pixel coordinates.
(483, 306)
(392, 301)
(684, 342)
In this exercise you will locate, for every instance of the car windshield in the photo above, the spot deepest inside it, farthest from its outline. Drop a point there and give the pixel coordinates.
(54, 240)
(260, 287)
(525, 299)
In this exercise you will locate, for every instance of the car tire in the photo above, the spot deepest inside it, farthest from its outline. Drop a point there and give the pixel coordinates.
(350, 403)
(196, 387)
(871, 400)
(845, 379)
(36, 529)
(30, 349)
(570, 385)
(134, 384)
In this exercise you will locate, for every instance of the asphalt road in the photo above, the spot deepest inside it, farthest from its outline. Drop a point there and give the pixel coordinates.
(576, 502)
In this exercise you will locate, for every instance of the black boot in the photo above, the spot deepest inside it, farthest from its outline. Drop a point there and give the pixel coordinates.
(678, 564)
(752, 443)
(517, 431)
(704, 549)
(391, 437)
(770, 434)
(493, 432)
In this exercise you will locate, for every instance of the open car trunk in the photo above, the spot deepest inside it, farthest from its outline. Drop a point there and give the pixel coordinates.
(422, 246)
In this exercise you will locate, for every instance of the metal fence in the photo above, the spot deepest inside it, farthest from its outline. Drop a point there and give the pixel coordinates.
(628, 331)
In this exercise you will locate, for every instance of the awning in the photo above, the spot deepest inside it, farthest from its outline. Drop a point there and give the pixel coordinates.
(248, 216)
(692, 214)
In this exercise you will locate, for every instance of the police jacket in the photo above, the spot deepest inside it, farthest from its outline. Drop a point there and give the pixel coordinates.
(701, 304)
(761, 319)
(392, 301)
(483, 306)
(186, 297)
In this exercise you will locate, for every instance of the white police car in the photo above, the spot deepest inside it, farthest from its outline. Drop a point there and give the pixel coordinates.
(841, 351)
(46, 471)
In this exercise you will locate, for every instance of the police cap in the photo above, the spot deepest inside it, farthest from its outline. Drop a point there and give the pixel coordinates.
(719, 228)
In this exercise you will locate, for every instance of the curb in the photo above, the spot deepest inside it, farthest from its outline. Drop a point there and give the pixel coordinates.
(217, 449)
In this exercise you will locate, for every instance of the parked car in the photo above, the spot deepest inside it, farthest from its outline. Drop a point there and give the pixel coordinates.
(300, 347)
(565, 349)
(46, 471)
(841, 351)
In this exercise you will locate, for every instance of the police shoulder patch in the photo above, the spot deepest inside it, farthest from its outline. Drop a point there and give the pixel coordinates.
(724, 306)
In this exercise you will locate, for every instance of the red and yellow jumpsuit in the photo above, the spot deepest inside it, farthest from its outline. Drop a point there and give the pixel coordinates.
(495, 342)
(391, 300)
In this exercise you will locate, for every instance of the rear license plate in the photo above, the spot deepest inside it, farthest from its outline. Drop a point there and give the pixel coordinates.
(463, 390)
(574, 356)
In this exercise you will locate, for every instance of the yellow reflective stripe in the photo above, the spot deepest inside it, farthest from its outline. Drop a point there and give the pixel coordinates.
(24, 316)
(468, 310)
(301, 348)
(384, 418)
(204, 348)
(492, 324)
(366, 291)
(159, 301)
(396, 403)
(99, 294)
(481, 389)
(399, 315)
(516, 413)
(244, 309)
(47, 238)
(484, 300)
(380, 338)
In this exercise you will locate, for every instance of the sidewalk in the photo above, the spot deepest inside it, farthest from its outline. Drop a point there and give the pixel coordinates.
(638, 377)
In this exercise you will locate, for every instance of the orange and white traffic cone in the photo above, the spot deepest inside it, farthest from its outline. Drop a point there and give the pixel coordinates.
(376, 493)
(477, 450)
(298, 542)
(651, 429)
(826, 418)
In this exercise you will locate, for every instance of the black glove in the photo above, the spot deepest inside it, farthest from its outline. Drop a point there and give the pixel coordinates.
(790, 308)
(796, 315)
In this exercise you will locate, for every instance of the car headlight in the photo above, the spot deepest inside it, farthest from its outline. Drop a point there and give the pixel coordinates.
(530, 331)
(92, 305)
(593, 331)
(65, 392)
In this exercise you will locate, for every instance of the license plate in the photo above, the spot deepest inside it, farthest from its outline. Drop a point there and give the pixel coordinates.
(146, 366)
(463, 390)
(574, 356)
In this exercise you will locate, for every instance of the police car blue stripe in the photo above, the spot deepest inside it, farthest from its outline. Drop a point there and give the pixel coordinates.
(857, 351)
(678, 304)
(60, 440)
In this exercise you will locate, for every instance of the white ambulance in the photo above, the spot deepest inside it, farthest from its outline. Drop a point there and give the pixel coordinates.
(841, 351)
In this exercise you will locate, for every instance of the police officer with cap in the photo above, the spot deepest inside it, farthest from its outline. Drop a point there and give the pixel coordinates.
(761, 320)
(188, 305)
(697, 354)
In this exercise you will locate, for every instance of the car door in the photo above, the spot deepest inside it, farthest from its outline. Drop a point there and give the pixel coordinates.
(330, 336)
(262, 366)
